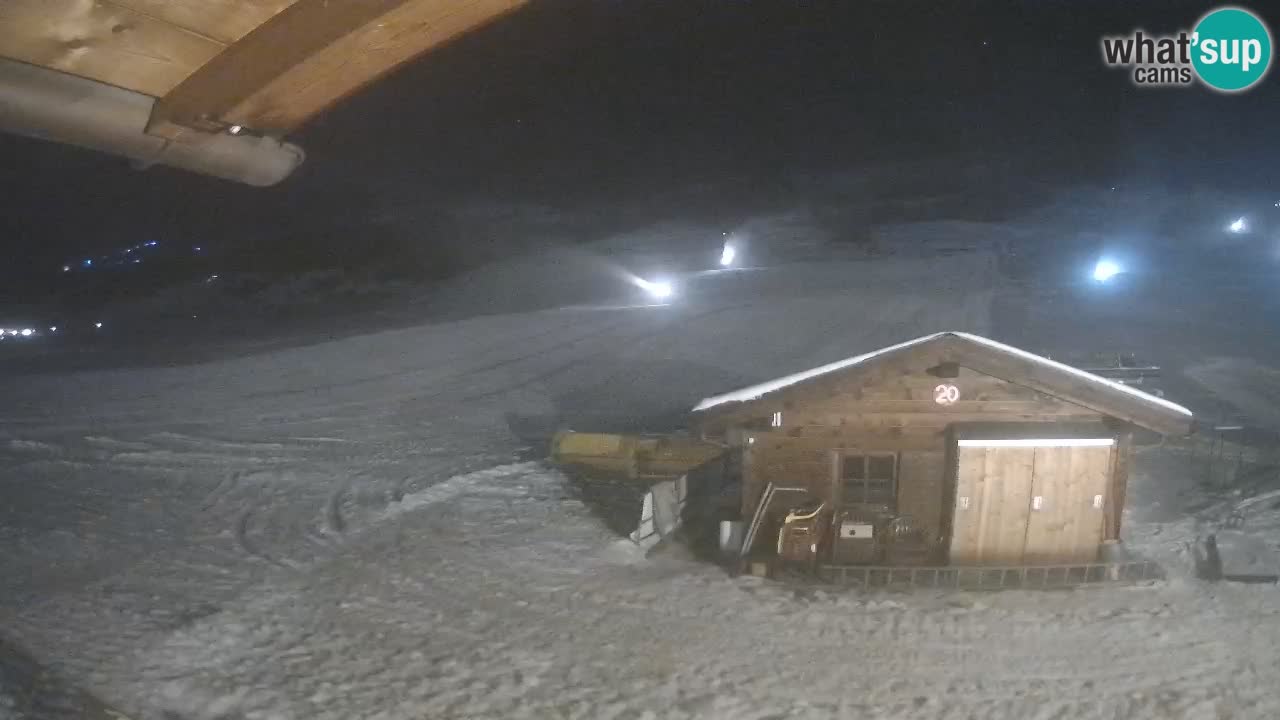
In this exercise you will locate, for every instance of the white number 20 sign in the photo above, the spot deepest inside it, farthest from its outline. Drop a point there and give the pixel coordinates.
(946, 394)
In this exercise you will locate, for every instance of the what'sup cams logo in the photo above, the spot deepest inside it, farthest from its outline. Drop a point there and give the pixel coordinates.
(1229, 51)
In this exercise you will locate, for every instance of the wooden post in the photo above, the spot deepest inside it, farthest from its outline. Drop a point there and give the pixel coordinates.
(1119, 487)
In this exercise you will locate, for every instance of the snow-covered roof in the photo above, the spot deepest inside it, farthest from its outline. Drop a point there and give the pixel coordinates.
(756, 391)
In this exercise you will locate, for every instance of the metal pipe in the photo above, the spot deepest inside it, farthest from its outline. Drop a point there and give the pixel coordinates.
(50, 105)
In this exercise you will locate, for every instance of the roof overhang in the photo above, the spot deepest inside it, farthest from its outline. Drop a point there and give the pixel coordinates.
(212, 67)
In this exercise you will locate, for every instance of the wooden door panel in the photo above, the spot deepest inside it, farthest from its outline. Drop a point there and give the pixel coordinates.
(1093, 473)
(993, 497)
(1068, 525)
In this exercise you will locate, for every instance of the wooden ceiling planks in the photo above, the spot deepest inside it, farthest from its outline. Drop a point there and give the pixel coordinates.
(311, 55)
(225, 21)
(103, 41)
(265, 64)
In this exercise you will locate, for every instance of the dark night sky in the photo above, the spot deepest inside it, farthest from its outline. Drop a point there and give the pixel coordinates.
(567, 101)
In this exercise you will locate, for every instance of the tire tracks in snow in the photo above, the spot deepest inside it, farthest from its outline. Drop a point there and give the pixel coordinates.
(315, 412)
(582, 359)
(518, 589)
(494, 347)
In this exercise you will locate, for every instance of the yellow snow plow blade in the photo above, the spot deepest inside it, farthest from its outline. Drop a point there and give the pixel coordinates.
(632, 456)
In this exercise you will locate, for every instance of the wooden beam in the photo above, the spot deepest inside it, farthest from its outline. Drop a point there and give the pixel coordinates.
(102, 41)
(311, 55)
(816, 441)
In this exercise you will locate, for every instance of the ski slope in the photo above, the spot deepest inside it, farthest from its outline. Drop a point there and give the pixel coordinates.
(355, 529)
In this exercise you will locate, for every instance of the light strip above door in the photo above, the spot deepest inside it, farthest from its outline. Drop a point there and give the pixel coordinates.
(1040, 442)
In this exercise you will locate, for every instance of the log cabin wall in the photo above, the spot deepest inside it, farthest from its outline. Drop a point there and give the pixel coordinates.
(810, 463)
(797, 433)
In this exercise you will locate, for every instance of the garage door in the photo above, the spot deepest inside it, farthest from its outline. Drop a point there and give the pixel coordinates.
(1029, 501)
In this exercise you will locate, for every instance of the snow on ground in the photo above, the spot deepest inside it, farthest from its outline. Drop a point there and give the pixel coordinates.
(1245, 384)
(144, 501)
(504, 598)
(350, 529)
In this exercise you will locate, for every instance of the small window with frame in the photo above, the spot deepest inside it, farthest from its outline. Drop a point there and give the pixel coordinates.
(870, 479)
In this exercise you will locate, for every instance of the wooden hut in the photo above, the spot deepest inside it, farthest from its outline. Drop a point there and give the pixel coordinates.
(946, 449)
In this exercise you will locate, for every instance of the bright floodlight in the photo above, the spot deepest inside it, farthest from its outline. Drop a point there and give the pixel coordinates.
(26, 332)
(727, 255)
(1105, 270)
(98, 325)
(1239, 225)
(53, 328)
(660, 290)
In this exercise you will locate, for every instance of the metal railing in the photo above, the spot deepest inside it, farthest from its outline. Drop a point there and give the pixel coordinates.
(1013, 576)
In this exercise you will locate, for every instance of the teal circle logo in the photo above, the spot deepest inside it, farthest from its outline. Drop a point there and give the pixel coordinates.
(1231, 49)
